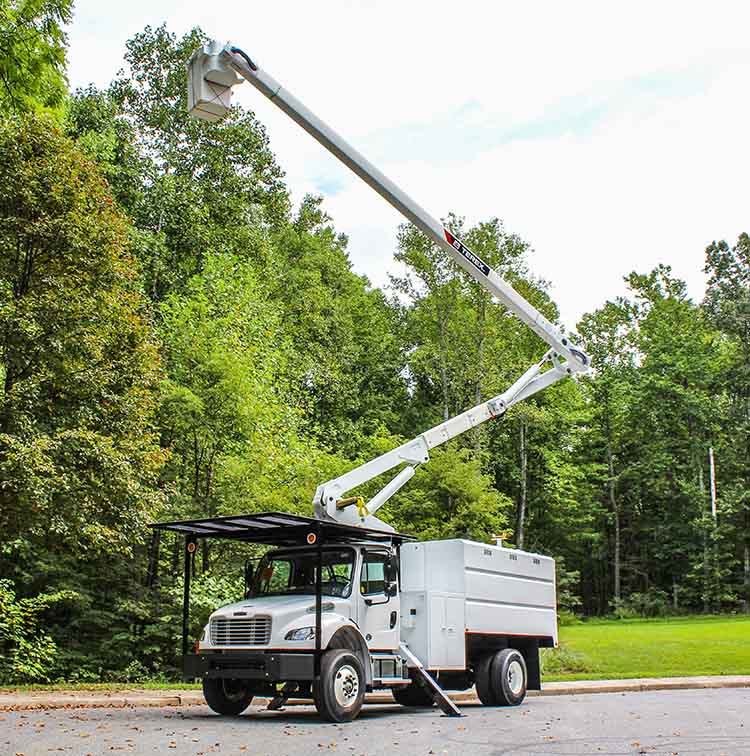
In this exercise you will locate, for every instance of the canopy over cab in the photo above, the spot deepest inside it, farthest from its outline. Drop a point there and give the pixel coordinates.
(272, 529)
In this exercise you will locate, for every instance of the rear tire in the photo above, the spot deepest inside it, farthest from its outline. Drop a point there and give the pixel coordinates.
(483, 682)
(340, 693)
(227, 697)
(412, 695)
(508, 677)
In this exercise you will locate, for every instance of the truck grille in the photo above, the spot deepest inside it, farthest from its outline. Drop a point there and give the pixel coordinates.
(240, 631)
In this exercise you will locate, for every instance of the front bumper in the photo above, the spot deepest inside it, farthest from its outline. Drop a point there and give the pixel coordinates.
(269, 666)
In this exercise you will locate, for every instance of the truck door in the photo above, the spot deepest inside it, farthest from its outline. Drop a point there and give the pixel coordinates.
(378, 613)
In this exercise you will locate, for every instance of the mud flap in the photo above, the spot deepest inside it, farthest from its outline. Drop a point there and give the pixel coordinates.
(441, 699)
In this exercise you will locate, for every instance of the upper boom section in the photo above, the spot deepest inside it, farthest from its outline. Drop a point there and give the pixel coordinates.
(212, 74)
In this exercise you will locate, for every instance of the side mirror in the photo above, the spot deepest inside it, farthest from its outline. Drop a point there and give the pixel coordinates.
(390, 574)
(390, 569)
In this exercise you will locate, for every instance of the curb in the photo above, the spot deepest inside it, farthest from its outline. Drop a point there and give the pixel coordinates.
(640, 686)
(131, 699)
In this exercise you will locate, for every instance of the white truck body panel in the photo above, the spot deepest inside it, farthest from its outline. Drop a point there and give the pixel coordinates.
(284, 613)
(455, 587)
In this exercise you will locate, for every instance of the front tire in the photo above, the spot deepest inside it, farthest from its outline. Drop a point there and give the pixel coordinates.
(340, 693)
(412, 695)
(227, 697)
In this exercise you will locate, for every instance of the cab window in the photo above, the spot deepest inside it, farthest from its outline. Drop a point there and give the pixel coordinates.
(372, 579)
(294, 573)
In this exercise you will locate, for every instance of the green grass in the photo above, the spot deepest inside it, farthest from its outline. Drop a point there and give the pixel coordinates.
(675, 647)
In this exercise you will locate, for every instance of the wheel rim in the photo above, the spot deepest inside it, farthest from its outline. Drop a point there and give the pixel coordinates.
(346, 686)
(515, 677)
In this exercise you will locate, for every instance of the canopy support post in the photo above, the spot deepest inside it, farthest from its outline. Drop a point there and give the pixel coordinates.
(318, 597)
(189, 551)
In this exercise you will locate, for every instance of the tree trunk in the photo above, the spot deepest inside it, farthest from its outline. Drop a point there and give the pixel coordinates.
(208, 503)
(521, 520)
(176, 552)
(204, 556)
(153, 559)
(706, 554)
(616, 514)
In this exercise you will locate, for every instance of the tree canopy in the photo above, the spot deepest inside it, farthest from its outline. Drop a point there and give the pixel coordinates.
(33, 53)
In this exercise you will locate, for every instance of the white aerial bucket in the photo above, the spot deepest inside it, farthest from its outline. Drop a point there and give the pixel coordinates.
(210, 82)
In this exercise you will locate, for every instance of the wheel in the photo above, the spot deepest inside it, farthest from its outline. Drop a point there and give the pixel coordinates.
(228, 697)
(508, 677)
(340, 693)
(412, 695)
(482, 681)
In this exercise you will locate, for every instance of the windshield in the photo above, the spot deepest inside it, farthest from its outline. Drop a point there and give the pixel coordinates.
(293, 573)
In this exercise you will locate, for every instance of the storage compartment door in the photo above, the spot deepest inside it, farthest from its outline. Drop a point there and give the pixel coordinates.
(447, 645)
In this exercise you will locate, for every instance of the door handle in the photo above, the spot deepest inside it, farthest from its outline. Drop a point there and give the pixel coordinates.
(394, 618)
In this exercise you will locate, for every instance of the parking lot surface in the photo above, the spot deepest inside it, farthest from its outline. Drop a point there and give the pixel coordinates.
(659, 723)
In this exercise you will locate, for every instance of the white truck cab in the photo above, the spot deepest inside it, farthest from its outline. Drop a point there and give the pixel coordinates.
(359, 589)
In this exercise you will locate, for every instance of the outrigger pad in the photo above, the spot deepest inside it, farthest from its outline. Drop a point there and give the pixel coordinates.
(439, 695)
(280, 699)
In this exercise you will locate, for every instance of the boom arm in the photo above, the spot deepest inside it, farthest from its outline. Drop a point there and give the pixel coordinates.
(212, 73)
(329, 501)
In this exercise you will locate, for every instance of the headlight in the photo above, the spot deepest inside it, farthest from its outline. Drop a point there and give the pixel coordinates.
(301, 634)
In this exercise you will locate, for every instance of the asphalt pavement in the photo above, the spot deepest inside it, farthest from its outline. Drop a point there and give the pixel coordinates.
(657, 723)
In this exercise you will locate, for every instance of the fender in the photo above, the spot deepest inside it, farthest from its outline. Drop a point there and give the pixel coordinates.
(350, 637)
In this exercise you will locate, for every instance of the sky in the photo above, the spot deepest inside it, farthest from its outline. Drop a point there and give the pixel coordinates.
(610, 136)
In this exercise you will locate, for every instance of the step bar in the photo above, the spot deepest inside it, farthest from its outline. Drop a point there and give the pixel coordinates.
(438, 694)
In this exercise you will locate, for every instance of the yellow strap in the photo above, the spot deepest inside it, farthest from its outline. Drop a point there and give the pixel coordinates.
(361, 508)
(358, 501)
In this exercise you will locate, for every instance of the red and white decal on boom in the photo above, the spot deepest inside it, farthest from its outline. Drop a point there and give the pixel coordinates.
(476, 261)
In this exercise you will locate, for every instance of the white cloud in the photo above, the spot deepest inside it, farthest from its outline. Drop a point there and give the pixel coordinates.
(612, 138)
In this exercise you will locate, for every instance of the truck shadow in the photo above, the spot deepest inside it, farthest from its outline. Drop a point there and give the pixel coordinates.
(308, 716)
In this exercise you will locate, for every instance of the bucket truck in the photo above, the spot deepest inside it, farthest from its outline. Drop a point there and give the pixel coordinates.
(343, 604)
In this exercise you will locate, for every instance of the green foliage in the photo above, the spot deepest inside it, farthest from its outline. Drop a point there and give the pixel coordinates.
(27, 652)
(566, 617)
(562, 661)
(347, 371)
(568, 587)
(79, 458)
(655, 603)
(207, 593)
(205, 187)
(77, 454)
(727, 305)
(225, 412)
(450, 498)
(32, 53)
